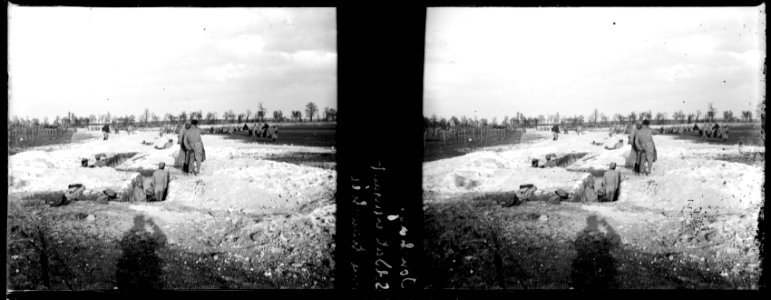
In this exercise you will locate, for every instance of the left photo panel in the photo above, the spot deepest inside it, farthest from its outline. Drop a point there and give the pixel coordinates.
(171, 148)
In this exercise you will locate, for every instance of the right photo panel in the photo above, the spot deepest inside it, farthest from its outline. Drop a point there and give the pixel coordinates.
(594, 148)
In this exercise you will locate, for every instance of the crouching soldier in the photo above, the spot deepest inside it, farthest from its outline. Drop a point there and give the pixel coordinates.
(137, 191)
(589, 194)
(161, 179)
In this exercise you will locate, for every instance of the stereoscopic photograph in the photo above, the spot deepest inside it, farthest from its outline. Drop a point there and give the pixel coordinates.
(593, 148)
(171, 148)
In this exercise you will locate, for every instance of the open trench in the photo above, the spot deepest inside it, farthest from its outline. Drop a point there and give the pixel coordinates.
(293, 246)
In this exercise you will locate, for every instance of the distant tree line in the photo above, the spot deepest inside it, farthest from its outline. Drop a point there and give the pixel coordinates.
(595, 118)
(311, 114)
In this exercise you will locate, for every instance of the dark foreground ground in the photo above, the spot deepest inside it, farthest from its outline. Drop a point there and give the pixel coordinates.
(474, 244)
(89, 246)
(315, 135)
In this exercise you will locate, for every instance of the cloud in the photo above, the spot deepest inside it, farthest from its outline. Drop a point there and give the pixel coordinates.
(170, 58)
(542, 60)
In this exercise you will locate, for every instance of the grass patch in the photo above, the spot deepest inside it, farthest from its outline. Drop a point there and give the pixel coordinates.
(436, 150)
(316, 136)
(16, 146)
(747, 134)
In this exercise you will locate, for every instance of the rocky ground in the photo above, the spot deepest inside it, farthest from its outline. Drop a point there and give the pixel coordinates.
(691, 224)
(217, 230)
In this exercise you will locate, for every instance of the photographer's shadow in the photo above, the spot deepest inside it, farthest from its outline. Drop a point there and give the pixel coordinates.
(594, 266)
(140, 267)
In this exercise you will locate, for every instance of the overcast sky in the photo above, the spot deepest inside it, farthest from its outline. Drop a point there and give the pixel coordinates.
(491, 62)
(123, 60)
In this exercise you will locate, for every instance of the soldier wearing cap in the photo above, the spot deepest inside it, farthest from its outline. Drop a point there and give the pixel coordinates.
(644, 142)
(612, 181)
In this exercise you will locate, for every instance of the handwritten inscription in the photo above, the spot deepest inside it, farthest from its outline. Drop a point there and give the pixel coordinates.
(377, 221)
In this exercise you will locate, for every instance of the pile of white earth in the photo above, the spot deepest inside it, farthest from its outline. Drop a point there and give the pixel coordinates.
(688, 183)
(234, 176)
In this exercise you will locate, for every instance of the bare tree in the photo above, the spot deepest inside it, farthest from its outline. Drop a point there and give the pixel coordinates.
(248, 114)
(231, 115)
(728, 115)
(595, 115)
(310, 110)
(261, 111)
(698, 114)
(747, 115)
(711, 112)
(147, 115)
(183, 116)
(155, 117)
(660, 117)
(278, 116)
(211, 117)
(632, 117)
(297, 115)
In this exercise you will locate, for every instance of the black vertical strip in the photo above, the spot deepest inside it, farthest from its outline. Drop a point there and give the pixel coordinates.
(379, 197)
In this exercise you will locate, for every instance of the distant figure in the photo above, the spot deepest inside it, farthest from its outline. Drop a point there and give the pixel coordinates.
(264, 130)
(612, 182)
(194, 146)
(644, 142)
(161, 180)
(579, 129)
(275, 133)
(106, 130)
(556, 131)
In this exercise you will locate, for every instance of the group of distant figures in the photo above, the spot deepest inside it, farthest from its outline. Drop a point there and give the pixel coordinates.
(706, 131)
(557, 129)
(106, 129)
(256, 131)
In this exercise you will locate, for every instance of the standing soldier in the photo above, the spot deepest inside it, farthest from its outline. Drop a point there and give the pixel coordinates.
(644, 142)
(556, 130)
(161, 180)
(194, 146)
(106, 130)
